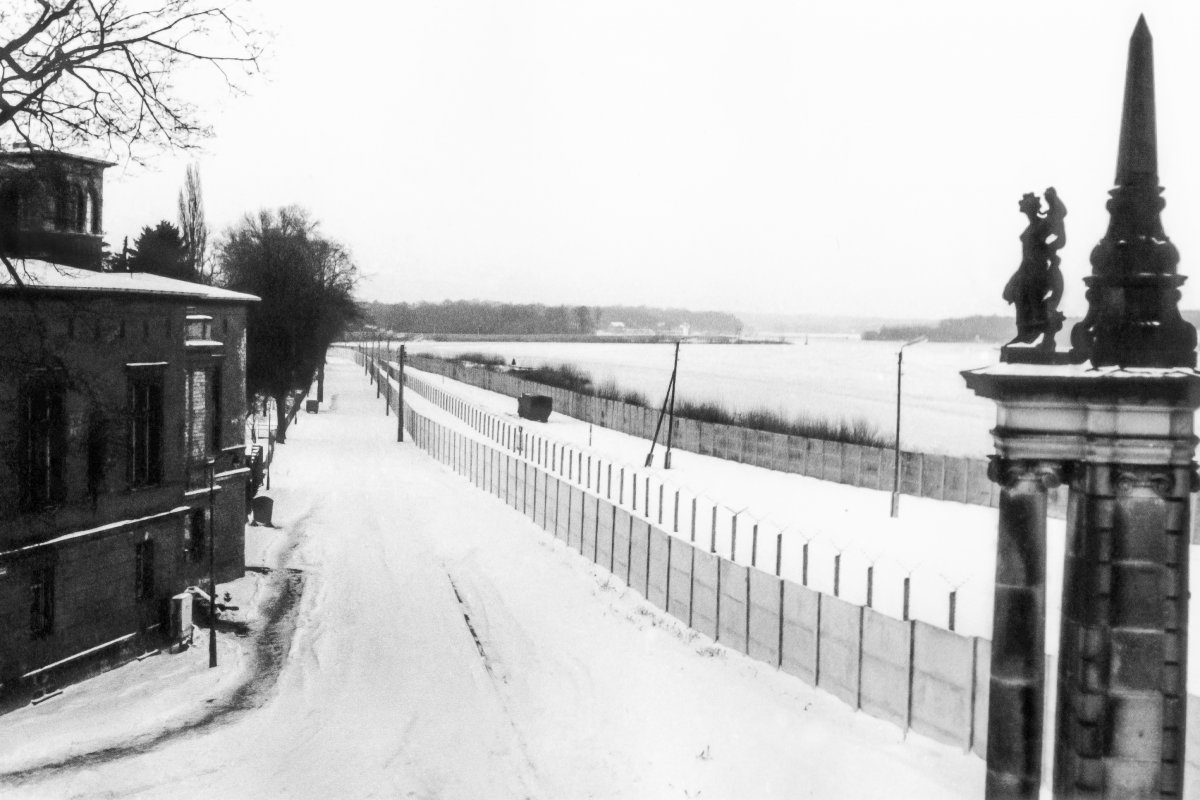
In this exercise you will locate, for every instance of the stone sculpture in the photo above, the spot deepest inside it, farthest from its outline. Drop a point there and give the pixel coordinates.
(1037, 285)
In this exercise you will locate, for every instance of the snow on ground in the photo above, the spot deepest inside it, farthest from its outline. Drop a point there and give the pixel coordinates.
(445, 647)
(942, 545)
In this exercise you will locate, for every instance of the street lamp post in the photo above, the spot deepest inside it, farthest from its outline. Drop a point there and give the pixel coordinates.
(212, 570)
(896, 466)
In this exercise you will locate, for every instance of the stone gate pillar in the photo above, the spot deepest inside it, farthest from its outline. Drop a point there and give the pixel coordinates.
(1114, 419)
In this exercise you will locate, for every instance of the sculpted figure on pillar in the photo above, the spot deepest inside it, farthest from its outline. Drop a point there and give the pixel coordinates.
(1036, 287)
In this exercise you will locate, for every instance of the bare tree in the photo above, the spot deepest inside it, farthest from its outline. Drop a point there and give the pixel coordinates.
(76, 71)
(88, 71)
(306, 284)
(192, 224)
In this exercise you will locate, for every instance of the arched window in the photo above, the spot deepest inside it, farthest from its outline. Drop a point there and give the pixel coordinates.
(93, 212)
(11, 202)
(82, 212)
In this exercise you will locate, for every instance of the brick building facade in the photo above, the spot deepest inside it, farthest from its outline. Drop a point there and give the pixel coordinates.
(117, 392)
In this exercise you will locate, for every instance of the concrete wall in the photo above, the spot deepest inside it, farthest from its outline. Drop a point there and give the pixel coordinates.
(840, 628)
(704, 592)
(679, 604)
(943, 685)
(659, 570)
(922, 475)
(801, 612)
(886, 660)
(766, 616)
(911, 674)
(733, 612)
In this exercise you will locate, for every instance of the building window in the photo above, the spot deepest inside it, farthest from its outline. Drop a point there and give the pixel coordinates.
(197, 427)
(216, 406)
(81, 210)
(97, 455)
(197, 535)
(41, 606)
(92, 217)
(145, 429)
(44, 434)
(143, 571)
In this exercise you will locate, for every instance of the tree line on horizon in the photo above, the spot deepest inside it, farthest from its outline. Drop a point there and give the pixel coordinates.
(533, 319)
(992, 329)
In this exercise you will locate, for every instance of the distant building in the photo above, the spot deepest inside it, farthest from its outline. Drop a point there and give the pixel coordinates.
(117, 390)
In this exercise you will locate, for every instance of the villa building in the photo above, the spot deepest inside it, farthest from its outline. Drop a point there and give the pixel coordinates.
(122, 452)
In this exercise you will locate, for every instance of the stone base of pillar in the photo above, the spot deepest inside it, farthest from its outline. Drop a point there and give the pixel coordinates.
(1124, 439)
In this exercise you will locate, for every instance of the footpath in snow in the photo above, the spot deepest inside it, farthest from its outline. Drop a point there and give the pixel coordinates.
(445, 647)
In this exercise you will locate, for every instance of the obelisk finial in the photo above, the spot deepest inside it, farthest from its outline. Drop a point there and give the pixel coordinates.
(1133, 292)
(1137, 154)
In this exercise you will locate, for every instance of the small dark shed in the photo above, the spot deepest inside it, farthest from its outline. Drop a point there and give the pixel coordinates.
(536, 407)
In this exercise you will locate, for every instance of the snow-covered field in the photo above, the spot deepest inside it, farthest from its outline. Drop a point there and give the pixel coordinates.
(445, 647)
(832, 378)
(943, 546)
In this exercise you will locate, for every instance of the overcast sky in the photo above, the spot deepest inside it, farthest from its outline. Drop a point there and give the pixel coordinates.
(776, 156)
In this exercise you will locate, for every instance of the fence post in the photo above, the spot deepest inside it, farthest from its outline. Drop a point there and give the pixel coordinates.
(693, 539)
(907, 587)
(675, 526)
(608, 494)
(635, 482)
(621, 489)
(837, 575)
(733, 539)
(804, 566)
(712, 547)
(870, 585)
(754, 546)
(778, 554)
(647, 498)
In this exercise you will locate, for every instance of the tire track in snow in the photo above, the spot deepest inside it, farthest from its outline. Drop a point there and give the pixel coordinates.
(498, 680)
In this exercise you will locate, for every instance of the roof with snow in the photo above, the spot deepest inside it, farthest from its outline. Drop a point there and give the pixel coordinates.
(43, 276)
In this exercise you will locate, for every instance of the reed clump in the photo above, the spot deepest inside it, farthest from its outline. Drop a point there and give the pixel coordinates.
(564, 376)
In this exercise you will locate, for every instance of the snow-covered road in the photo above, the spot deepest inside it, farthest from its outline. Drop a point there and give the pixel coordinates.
(447, 648)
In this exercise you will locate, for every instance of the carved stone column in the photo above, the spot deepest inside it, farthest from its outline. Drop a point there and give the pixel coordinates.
(1017, 684)
(1122, 415)
(1123, 653)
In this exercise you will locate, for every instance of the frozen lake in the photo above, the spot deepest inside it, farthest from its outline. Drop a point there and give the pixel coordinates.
(830, 377)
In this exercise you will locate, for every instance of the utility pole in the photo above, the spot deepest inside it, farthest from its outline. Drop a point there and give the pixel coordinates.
(400, 400)
(668, 402)
(896, 463)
